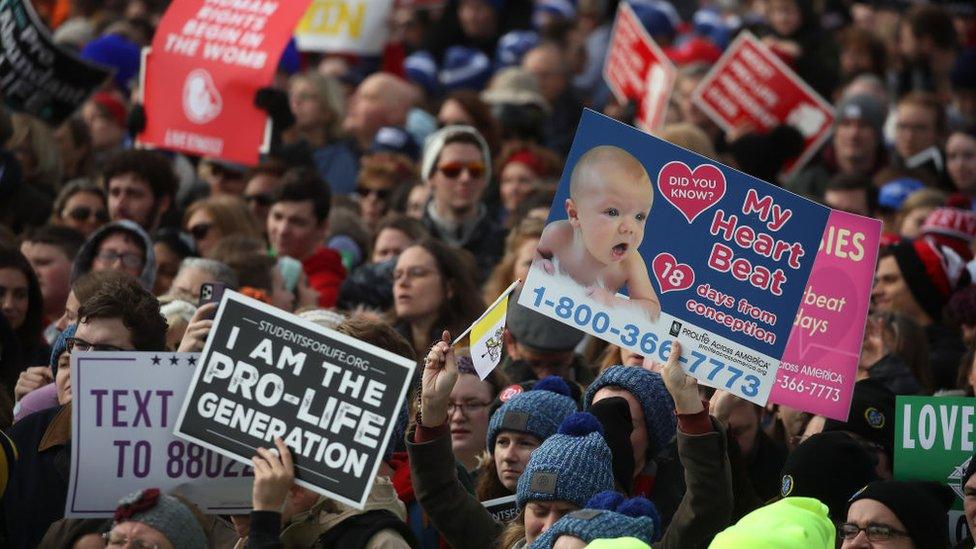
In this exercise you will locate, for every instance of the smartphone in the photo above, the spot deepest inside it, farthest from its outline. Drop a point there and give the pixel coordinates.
(211, 292)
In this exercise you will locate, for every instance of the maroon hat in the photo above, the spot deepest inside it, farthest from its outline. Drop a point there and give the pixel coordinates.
(932, 272)
(952, 227)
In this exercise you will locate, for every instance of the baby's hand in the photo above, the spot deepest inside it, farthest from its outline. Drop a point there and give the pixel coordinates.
(547, 266)
(650, 308)
(600, 295)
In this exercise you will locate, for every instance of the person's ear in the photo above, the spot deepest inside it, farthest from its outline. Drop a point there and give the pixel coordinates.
(572, 214)
(511, 346)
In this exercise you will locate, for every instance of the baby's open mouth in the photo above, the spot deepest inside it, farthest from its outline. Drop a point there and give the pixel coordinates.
(620, 249)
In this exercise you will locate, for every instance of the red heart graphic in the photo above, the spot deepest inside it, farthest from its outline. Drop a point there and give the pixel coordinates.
(672, 276)
(691, 192)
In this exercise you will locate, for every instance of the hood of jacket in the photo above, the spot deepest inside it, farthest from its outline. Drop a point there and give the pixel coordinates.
(86, 256)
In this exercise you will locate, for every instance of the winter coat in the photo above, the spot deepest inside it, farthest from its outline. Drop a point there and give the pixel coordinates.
(325, 273)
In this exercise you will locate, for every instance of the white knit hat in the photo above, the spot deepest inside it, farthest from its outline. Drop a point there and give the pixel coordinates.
(435, 144)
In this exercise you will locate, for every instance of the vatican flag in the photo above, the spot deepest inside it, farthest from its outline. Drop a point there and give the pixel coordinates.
(484, 337)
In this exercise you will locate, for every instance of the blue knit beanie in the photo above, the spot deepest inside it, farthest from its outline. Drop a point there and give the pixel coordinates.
(512, 46)
(537, 412)
(649, 390)
(464, 69)
(421, 69)
(117, 52)
(60, 346)
(571, 465)
(607, 515)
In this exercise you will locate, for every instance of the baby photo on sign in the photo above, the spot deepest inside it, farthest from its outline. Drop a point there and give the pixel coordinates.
(596, 246)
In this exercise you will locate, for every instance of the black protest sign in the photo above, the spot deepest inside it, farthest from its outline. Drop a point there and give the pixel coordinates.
(331, 398)
(37, 76)
(503, 509)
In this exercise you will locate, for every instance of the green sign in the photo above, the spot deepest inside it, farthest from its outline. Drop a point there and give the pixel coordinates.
(934, 440)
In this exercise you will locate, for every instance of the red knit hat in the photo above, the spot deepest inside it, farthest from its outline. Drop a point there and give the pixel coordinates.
(932, 272)
(952, 227)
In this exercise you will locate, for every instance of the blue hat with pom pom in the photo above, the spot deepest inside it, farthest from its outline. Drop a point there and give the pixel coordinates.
(571, 465)
(537, 412)
(649, 390)
(607, 515)
(421, 69)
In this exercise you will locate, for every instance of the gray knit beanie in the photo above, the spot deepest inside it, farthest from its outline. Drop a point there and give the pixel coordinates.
(165, 513)
(572, 466)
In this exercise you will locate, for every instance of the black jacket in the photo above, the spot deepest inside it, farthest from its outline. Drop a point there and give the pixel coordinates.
(485, 240)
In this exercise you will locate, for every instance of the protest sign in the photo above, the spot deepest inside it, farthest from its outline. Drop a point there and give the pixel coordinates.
(708, 255)
(37, 76)
(934, 441)
(124, 406)
(484, 337)
(332, 399)
(819, 368)
(503, 510)
(210, 57)
(346, 26)
(637, 69)
(750, 85)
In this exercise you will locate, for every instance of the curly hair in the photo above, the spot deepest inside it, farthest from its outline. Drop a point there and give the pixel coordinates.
(136, 307)
(151, 167)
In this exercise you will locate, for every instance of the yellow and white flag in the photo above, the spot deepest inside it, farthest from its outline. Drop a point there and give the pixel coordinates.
(484, 337)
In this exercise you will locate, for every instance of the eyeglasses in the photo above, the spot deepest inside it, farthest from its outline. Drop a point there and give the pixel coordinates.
(263, 199)
(454, 169)
(382, 194)
(84, 213)
(874, 531)
(412, 272)
(118, 540)
(130, 260)
(82, 346)
(200, 230)
(467, 408)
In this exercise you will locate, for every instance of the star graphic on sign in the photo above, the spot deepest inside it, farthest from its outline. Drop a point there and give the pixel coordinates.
(192, 361)
(155, 360)
(173, 360)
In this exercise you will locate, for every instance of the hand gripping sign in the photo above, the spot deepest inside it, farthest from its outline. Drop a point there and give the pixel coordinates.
(265, 373)
(705, 254)
(208, 59)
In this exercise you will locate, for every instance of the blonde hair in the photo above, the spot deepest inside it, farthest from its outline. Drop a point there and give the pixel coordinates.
(38, 138)
(229, 215)
(689, 136)
(502, 275)
(330, 95)
(616, 157)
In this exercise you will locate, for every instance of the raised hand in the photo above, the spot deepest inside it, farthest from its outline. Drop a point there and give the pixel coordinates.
(440, 375)
(273, 477)
(683, 387)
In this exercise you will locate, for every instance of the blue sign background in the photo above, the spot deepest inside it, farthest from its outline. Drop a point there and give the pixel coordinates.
(668, 230)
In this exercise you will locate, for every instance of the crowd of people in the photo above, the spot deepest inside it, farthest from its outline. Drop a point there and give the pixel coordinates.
(403, 193)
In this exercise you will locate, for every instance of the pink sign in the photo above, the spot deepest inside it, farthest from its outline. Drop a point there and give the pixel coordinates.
(818, 369)
(637, 69)
(751, 85)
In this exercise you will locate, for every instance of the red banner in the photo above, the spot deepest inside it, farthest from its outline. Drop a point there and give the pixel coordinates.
(208, 59)
(637, 69)
(751, 85)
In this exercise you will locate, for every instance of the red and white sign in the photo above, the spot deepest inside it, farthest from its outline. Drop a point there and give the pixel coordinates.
(208, 59)
(637, 69)
(750, 85)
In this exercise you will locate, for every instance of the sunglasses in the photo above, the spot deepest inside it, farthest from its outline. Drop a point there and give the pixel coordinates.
(263, 199)
(200, 230)
(84, 213)
(382, 194)
(80, 345)
(454, 169)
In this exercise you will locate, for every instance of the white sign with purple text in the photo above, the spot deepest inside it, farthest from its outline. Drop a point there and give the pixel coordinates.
(124, 407)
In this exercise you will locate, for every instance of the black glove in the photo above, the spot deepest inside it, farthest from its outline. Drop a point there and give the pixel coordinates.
(136, 122)
(275, 102)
